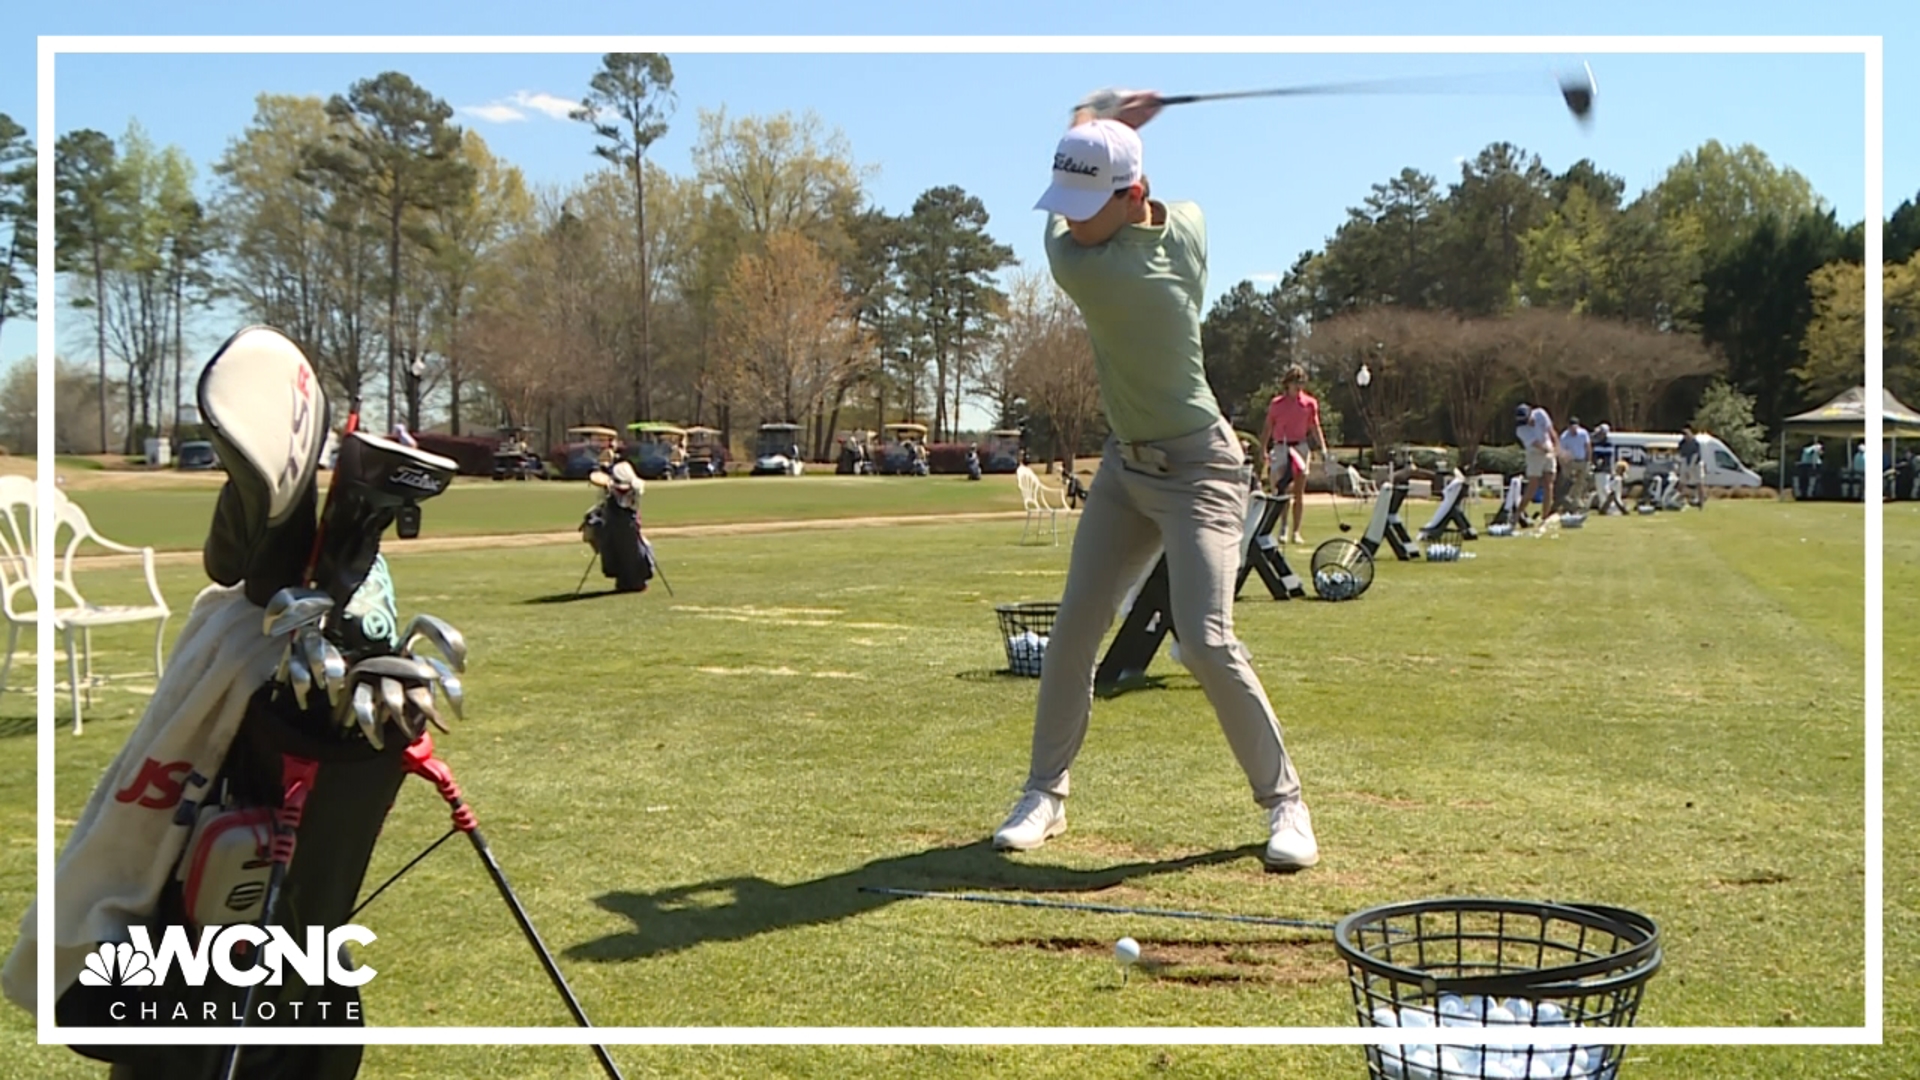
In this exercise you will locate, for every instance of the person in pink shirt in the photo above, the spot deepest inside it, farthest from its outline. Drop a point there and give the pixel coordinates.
(1292, 416)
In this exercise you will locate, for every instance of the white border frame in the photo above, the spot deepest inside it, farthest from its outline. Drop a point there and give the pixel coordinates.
(1869, 47)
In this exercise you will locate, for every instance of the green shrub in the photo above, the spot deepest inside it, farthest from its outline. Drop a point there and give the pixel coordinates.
(1505, 460)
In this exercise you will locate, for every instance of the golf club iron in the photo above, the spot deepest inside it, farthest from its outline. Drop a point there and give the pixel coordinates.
(451, 643)
(1103, 909)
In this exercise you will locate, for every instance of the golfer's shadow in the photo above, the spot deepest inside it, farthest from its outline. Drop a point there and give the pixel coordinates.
(734, 909)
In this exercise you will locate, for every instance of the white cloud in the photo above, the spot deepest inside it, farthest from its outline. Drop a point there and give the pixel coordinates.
(1266, 277)
(557, 107)
(493, 114)
(518, 105)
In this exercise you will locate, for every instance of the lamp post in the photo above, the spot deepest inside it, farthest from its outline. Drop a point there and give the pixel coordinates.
(1363, 379)
(415, 372)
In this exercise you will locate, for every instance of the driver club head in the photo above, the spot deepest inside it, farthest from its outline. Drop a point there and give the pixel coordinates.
(1578, 88)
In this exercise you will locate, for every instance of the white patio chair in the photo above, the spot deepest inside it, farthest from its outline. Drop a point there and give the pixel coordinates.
(1359, 486)
(1038, 499)
(71, 611)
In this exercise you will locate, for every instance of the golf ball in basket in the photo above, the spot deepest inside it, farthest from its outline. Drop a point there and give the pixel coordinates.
(1126, 950)
(1026, 650)
(1334, 583)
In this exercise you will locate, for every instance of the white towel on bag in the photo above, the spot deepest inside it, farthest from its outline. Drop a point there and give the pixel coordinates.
(121, 854)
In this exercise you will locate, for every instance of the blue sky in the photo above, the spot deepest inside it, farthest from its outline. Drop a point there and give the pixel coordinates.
(1275, 177)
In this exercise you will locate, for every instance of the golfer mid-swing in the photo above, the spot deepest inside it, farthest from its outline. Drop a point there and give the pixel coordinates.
(1173, 474)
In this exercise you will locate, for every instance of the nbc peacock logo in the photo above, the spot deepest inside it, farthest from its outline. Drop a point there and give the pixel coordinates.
(118, 965)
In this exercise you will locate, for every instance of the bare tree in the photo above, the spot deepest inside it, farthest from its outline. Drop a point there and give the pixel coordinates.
(787, 330)
(1052, 363)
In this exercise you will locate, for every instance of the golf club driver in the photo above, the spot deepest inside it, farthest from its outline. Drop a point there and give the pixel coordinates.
(1338, 520)
(1577, 89)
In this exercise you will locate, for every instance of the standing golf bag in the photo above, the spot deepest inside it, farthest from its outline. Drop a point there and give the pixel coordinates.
(270, 823)
(612, 529)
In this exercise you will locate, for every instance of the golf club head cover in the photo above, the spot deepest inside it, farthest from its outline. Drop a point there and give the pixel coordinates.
(267, 417)
(373, 477)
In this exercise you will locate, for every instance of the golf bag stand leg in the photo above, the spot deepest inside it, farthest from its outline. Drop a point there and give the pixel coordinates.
(421, 762)
(1148, 621)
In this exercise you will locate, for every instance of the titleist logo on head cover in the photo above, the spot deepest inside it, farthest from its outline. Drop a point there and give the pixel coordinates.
(409, 476)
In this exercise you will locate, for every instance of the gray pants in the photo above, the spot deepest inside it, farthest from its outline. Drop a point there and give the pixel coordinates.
(1189, 496)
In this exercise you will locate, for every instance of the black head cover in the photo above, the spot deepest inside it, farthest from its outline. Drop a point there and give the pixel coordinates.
(268, 419)
(374, 479)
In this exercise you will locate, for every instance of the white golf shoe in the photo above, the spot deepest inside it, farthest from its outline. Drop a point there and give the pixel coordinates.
(1292, 846)
(1036, 818)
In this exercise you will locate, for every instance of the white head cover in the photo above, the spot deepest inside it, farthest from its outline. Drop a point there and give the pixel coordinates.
(1093, 161)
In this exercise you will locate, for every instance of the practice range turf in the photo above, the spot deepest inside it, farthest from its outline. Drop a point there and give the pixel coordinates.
(689, 791)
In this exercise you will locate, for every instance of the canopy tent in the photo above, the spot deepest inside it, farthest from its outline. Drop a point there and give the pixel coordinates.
(1846, 417)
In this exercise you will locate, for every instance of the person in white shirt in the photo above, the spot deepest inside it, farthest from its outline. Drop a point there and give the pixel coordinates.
(1535, 431)
(1577, 448)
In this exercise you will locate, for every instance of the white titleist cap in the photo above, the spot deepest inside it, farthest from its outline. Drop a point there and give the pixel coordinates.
(1093, 161)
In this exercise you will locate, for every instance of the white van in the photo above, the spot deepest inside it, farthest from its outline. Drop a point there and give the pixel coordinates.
(1724, 470)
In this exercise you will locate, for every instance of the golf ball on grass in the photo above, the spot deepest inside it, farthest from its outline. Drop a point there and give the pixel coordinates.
(1127, 951)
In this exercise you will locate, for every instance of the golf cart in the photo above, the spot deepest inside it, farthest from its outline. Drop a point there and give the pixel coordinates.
(856, 454)
(777, 451)
(904, 451)
(1001, 451)
(515, 458)
(585, 445)
(657, 451)
(706, 453)
(197, 455)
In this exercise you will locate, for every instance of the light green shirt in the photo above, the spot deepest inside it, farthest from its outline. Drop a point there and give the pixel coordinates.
(1141, 294)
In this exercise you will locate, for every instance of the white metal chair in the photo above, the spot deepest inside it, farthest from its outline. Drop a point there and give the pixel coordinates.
(18, 558)
(1038, 499)
(1359, 486)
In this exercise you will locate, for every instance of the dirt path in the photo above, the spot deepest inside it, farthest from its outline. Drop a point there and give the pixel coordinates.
(392, 547)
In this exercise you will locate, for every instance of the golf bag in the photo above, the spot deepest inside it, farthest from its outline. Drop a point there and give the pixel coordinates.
(1613, 484)
(1661, 491)
(612, 529)
(261, 811)
(1512, 510)
(1451, 511)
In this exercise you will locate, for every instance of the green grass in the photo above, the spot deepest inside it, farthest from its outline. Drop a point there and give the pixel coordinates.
(1663, 713)
(175, 518)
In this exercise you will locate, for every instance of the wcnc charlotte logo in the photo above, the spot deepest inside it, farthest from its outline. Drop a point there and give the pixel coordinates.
(139, 963)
